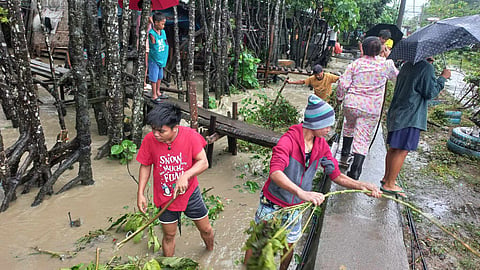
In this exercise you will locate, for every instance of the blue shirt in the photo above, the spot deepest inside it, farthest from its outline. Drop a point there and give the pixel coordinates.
(158, 50)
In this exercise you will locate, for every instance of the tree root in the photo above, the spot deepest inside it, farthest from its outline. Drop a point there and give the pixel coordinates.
(104, 150)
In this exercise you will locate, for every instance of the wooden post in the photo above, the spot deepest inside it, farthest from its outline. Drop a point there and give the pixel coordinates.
(270, 48)
(192, 100)
(211, 131)
(232, 142)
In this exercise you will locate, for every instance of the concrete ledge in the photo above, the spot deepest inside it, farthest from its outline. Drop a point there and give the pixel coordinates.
(360, 232)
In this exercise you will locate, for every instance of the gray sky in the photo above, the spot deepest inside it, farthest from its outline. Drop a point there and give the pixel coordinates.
(413, 7)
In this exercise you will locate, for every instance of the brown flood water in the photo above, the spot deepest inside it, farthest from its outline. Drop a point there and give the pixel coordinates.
(47, 226)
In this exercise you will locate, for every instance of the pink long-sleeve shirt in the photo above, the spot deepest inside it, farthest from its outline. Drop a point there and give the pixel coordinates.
(362, 86)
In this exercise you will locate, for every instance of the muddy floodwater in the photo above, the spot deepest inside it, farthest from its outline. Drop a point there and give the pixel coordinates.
(47, 226)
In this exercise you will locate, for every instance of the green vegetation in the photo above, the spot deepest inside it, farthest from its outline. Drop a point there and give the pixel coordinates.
(250, 186)
(247, 73)
(375, 12)
(4, 15)
(267, 240)
(449, 8)
(234, 90)
(124, 151)
(212, 103)
(262, 111)
(441, 247)
(130, 222)
(135, 263)
(214, 205)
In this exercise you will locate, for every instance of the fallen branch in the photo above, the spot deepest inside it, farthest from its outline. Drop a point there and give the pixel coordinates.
(431, 219)
(120, 244)
(61, 256)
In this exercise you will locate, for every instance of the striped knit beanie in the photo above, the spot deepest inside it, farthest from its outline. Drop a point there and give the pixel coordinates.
(318, 114)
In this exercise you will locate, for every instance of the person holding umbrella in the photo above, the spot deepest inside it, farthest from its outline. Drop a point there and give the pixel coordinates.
(416, 84)
(362, 87)
(407, 116)
(385, 37)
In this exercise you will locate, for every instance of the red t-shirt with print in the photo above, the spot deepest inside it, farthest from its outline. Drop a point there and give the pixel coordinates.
(168, 165)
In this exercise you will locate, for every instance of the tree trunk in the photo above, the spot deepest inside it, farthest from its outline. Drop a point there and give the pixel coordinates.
(61, 111)
(178, 60)
(4, 170)
(401, 11)
(6, 79)
(114, 86)
(238, 40)
(78, 149)
(312, 25)
(138, 101)
(124, 38)
(224, 55)
(32, 138)
(94, 65)
(85, 175)
(218, 50)
(211, 7)
(276, 31)
(191, 43)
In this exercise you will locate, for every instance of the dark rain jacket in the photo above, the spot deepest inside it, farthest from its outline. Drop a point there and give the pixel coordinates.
(416, 84)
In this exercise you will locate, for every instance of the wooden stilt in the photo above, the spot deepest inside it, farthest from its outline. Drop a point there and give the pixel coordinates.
(232, 141)
(211, 131)
(192, 99)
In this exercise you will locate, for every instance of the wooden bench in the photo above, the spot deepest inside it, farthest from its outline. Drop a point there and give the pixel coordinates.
(43, 69)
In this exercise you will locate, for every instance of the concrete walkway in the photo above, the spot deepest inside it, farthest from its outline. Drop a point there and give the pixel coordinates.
(360, 232)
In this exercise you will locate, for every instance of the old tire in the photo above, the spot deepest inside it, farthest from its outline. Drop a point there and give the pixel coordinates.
(464, 144)
(453, 114)
(455, 121)
(468, 141)
(462, 150)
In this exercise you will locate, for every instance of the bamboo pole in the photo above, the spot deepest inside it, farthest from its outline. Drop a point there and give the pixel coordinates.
(431, 219)
(97, 258)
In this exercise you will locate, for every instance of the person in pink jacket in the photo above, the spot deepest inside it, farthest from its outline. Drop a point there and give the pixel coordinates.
(299, 153)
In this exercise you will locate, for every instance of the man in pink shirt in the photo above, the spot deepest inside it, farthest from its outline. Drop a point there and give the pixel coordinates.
(177, 156)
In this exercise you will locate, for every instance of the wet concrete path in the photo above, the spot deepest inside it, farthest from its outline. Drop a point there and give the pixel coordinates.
(360, 232)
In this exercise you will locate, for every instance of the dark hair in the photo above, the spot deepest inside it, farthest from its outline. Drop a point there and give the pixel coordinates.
(371, 46)
(164, 114)
(158, 17)
(317, 69)
(385, 34)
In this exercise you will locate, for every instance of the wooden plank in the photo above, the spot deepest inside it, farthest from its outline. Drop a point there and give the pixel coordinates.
(43, 69)
(230, 127)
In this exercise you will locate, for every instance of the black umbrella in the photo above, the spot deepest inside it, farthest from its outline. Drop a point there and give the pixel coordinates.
(396, 33)
(439, 37)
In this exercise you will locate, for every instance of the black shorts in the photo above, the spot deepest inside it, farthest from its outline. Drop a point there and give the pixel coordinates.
(196, 209)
